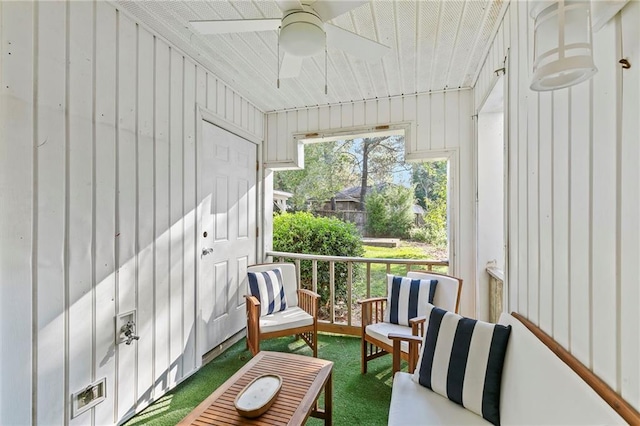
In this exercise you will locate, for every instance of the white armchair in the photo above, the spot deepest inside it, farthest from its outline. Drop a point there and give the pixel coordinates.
(375, 330)
(300, 316)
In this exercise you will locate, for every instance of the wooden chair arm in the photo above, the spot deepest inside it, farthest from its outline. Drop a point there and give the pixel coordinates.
(308, 301)
(252, 300)
(417, 325)
(413, 341)
(372, 311)
(371, 300)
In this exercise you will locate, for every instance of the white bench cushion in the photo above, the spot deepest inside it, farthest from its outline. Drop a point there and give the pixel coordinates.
(381, 330)
(291, 318)
(412, 405)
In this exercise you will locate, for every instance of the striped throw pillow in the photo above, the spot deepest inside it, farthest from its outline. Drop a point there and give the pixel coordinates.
(461, 359)
(407, 298)
(268, 289)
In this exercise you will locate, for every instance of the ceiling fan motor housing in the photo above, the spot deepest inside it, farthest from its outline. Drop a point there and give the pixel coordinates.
(302, 33)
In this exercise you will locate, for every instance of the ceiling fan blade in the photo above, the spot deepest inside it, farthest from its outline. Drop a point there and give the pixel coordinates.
(329, 9)
(235, 26)
(285, 5)
(354, 44)
(291, 66)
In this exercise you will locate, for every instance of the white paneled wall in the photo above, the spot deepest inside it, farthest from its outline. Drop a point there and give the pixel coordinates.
(440, 124)
(574, 197)
(97, 207)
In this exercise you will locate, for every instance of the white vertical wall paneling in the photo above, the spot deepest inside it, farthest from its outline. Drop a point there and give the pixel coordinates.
(201, 97)
(283, 141)
(80, 133)
(50, 146)
(371, 112)
(145, 215)
(229, 103)
(189, 214)
(292, 126)
(347, 115)
(16, 174)
(604, 203)
(453, 113)
(244, 122)
(324, 118)
(579, 228)
(587, 196)
(384, 113)
(126, 188)
(544, 304)
(212, 85)
(302, 119)
(221, 94)
(396, 110)
(271, 150)
(237, 110)
(533, 201)
(437, 125)
(630, 209)
(176, 219)
(561, 166)
(335, 117)
(105, 206)
(411, 115)
(512, 117)
(423, 128)
(162, 259)
(95, 184)
(358, 114)
(466, 251)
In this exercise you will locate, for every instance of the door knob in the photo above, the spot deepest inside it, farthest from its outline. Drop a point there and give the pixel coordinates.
(206, 251)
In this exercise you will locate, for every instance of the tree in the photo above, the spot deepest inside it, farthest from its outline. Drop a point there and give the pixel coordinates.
(379, 157)
(389, 211)
(327, 170)
(430, 182)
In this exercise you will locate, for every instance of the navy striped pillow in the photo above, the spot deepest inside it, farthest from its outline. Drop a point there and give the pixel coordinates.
(461, 359)
(267, 287)
(407, 298)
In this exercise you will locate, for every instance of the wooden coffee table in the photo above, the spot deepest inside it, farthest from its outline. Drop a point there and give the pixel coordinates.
(303, 379)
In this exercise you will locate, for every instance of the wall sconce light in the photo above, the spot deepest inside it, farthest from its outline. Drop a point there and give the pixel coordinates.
(563, 50)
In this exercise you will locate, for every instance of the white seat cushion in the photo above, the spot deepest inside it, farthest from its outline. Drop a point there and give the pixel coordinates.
(283, 320)
(412, 404)
(381, 330)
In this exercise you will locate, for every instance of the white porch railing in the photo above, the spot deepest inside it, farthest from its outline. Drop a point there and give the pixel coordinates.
(363, 278)
(496, 292)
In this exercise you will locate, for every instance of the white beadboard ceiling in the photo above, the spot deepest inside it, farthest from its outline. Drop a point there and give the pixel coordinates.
(435, 45)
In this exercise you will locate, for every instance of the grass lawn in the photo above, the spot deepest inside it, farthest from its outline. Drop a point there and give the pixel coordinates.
(406, 250)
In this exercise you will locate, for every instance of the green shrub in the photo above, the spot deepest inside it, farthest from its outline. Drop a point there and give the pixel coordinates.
(304, 233)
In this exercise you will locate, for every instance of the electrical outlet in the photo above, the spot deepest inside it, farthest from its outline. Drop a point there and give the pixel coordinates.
(89, 397)
(120, 322)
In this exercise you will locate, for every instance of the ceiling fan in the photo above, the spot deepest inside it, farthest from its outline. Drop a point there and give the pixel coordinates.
(304, 32)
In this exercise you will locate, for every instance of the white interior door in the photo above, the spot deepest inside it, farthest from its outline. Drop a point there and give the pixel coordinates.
(228, 233)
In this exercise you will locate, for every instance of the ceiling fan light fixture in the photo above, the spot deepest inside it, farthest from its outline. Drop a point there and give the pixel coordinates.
(302, 34)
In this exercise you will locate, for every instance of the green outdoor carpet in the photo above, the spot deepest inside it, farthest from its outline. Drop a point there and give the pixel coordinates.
(357, 399)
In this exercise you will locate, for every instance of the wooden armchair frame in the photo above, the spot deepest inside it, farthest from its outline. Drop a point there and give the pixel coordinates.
(307, 301)
(372, 348)
(373, 312)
